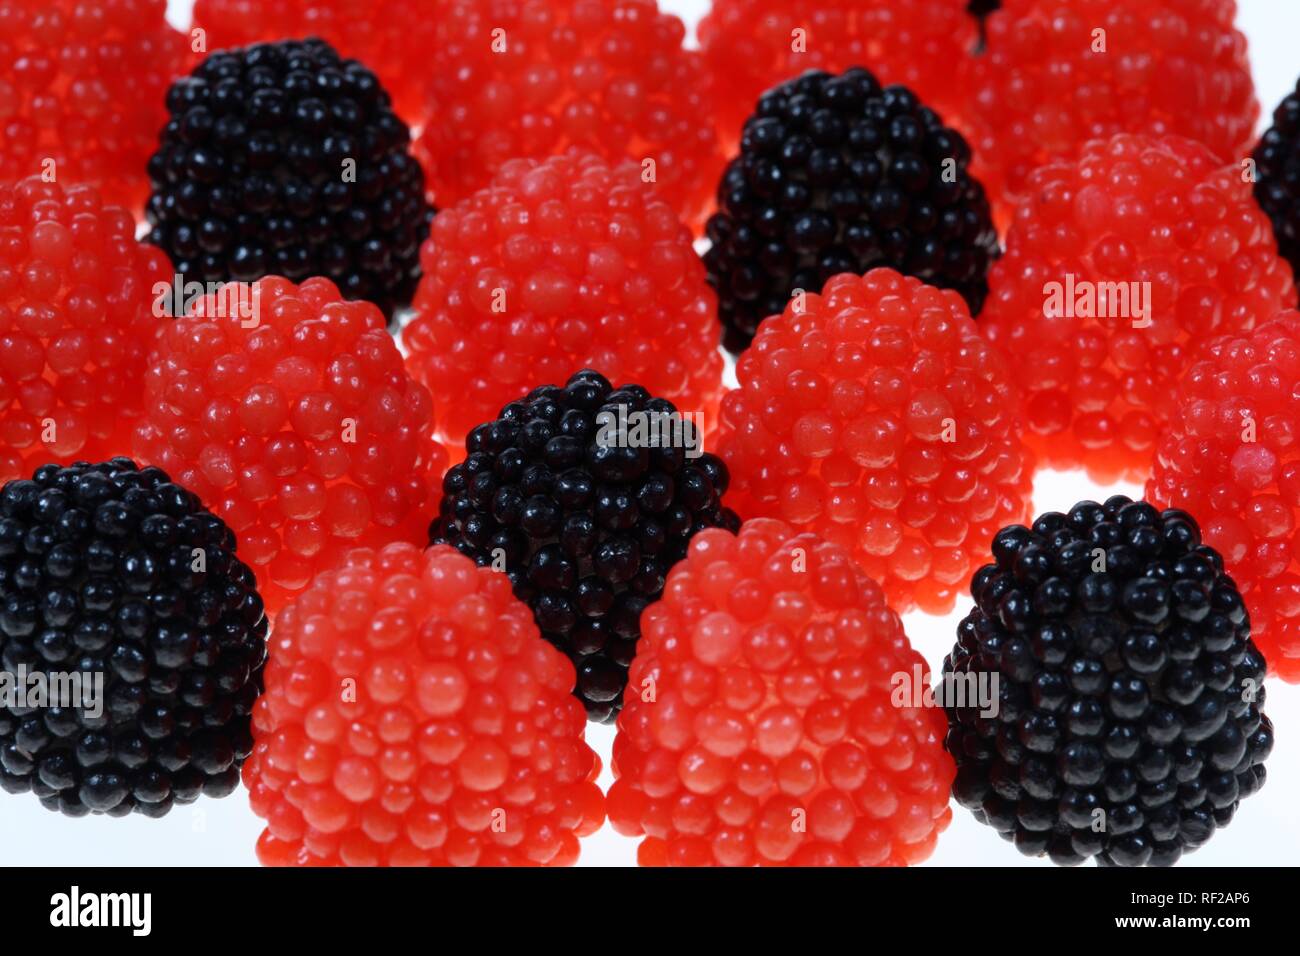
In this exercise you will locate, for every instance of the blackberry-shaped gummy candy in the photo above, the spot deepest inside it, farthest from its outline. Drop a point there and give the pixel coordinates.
(1129, 716)
(116, 575)
(285, 159)
(585, 522)
(837, 174)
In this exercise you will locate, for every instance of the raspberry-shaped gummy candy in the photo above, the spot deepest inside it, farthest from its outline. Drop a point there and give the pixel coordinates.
(1119, 261)
(561, 264)
(125, 594)
(585, 496)
(1128, 721)
(1054, 74)
(391, 37)
(753, 45)
(288, 411)
(838, 175)
(876, 416)
(1230, 456)
(414, 717)
(528, 78)
(1277, 182)
(283, 159)
(81, 91)
(77, 315)
(764, 724)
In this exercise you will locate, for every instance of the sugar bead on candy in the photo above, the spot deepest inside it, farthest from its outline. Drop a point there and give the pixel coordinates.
(77, 315)
(561, 264)
(1130, 698)
(876, 416)
(764, 724)
(81, 91)
(530, 78)
(1121, 260)
(1228, 455)
(117, 583)
(458, 744)
(1054, 74)
(288, 411)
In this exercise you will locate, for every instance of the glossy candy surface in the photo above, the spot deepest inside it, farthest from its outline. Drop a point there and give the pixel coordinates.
(284, 159)
(1057, 73)
(753, 45)
(1117, 266)
(77, 317)
(392, 37)
(1230, 456)
(1277, 183)
(876, 416)
(115, 581)
(81, 91)
(836, 174)
(530, 78)
(585, 496)
(288, 411)
(764, 723)
(1117, 705)
(414, 717)
(561, 264)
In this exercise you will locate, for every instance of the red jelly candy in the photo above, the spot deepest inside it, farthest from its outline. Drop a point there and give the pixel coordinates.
(82, 87)
(1057, 73)
(287, 410)
(1119, 261)
(763, 721)
(1231, 457)
(560, 265)
(753, 45)
(77, 296)
(875, 415)
(391, 37)
(414, 716)
(514, 78)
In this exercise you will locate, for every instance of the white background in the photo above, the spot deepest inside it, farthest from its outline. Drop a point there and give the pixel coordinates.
(1266, 830)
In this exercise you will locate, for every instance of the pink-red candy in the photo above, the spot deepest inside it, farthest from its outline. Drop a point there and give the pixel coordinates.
(391, 37)
(530, 78)
(1057, 73)
(1230, 456)
(77, 317)
(775, 715)
(876, 416)
(753, 45)
(288, 411)
(1121, 261)
(82, 91)
(561, 264)
(414, 716)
